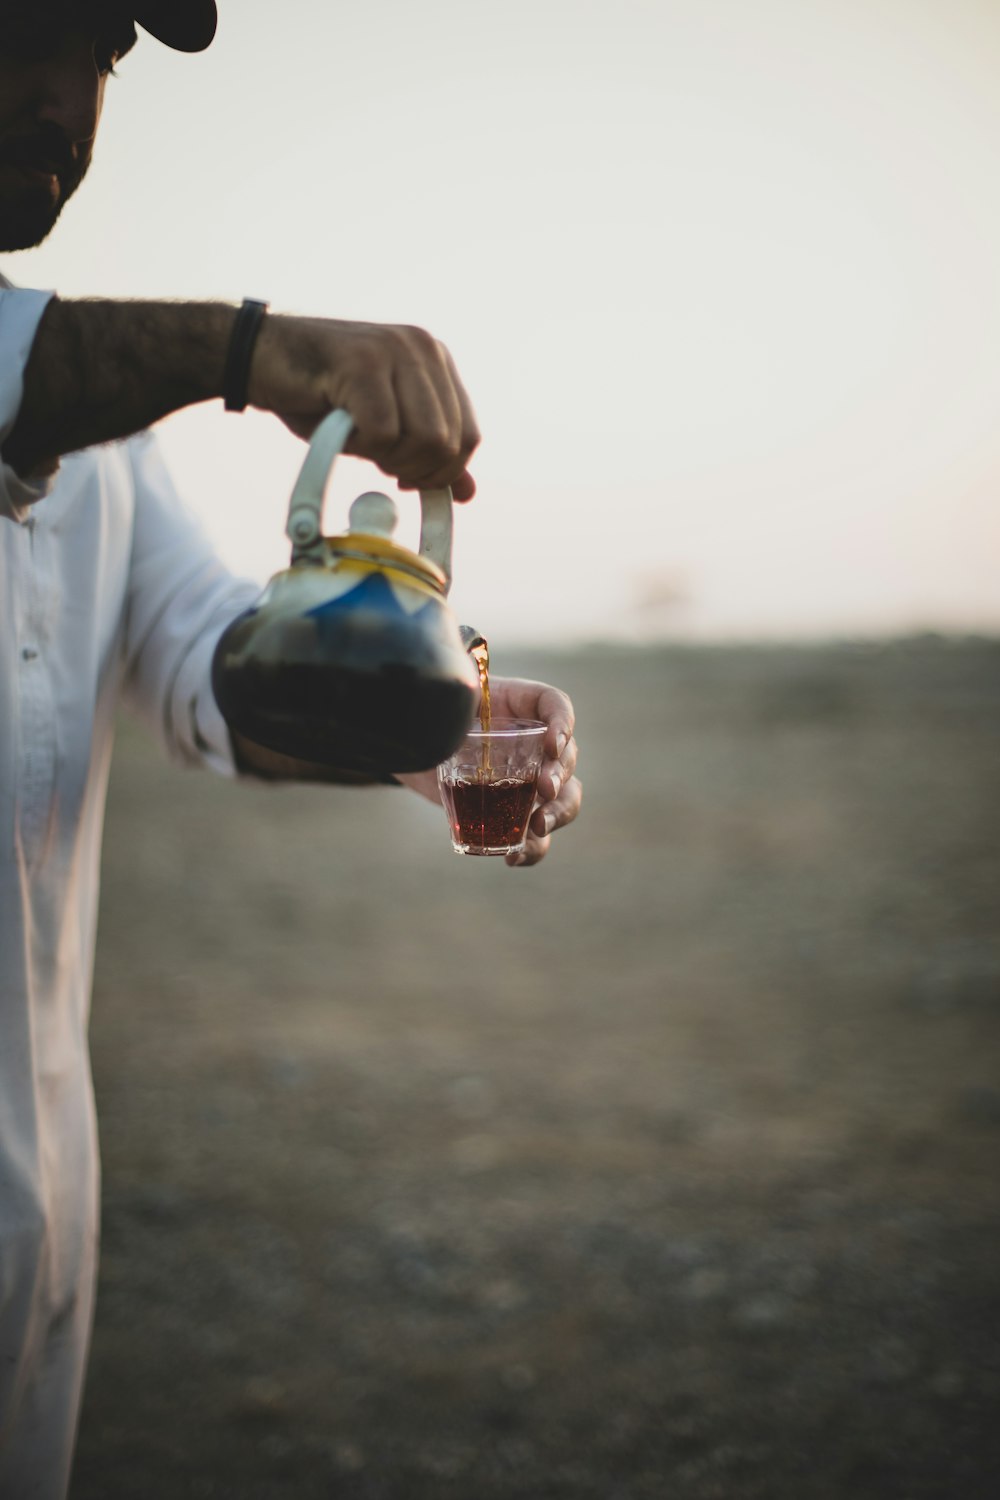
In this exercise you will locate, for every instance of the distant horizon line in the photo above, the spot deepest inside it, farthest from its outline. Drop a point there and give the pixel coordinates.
(858, 640)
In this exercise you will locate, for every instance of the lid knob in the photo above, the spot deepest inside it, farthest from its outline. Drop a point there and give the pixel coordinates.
(374, 514)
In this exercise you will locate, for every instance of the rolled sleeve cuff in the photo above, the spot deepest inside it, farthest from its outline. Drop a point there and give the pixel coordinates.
(201, 734)
(20, 315)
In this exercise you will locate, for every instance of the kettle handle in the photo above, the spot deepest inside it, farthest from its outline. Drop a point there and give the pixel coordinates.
(305, 509)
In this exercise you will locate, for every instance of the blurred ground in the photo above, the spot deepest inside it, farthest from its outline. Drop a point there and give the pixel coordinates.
(667, 1169)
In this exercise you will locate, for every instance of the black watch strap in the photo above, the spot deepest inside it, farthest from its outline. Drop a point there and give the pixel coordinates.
(236, 375)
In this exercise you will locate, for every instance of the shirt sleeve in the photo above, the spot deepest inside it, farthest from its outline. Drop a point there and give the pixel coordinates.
(180, 599)
(20, 314)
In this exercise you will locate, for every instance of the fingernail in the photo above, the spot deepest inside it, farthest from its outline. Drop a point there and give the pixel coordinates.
(556, 784)
(560, 743)
(550, 821)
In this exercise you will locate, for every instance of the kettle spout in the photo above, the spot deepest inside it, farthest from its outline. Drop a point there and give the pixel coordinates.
(471, 638)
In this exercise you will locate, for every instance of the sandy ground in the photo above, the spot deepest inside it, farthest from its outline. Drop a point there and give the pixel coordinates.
(668, 1169)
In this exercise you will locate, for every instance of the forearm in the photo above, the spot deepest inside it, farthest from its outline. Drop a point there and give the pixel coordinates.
(101, 370)
(269, 765)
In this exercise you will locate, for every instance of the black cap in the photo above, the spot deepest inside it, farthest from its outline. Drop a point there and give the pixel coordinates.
(186, 25)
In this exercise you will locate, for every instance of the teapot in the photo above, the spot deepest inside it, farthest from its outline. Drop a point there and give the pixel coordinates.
(351, 657)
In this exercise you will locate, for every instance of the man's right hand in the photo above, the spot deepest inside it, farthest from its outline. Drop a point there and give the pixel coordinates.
(412, 415)
(102, 370)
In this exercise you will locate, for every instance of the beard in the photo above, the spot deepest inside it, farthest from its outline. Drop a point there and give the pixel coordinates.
(39, 173)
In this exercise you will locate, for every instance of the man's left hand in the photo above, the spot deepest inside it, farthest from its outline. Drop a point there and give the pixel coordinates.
(559, 791)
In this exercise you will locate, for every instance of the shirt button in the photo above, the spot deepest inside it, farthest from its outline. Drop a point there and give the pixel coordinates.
(29, 653)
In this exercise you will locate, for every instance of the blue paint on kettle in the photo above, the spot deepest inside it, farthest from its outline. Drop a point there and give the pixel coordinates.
(373, 592)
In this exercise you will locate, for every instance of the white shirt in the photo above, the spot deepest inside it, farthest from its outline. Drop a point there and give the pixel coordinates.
(108, 589)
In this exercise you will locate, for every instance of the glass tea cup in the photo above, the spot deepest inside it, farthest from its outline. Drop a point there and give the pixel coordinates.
(488, 785)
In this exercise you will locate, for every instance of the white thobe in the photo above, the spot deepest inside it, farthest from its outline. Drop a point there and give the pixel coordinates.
(107, 588)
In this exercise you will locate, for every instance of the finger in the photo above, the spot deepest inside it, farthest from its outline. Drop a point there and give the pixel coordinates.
(444, 378)
(429, 390)
(524, 699)
(560, 813)
(462, 425)
(555, 773)
(448, 474)
(427, 444)
(468, 425)
(534, 850)
(374, 409)
(464, 487)
(546, 821)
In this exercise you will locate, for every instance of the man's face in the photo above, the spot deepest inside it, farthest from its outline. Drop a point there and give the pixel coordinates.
(55, 56)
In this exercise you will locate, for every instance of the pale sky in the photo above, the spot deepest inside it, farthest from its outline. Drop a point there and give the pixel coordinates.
(721, 277)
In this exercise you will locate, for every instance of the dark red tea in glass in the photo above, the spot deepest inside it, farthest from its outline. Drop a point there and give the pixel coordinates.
(488, 786)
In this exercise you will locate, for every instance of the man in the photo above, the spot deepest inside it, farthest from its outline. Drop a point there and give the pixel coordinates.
(107, 588)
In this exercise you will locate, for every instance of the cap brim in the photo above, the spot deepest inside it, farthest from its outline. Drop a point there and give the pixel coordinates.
(185, 25)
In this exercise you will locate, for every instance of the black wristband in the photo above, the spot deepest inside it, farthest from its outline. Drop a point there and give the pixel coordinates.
(236, 375)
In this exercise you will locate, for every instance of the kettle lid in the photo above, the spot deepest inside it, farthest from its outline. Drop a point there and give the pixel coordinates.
(372, 520)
